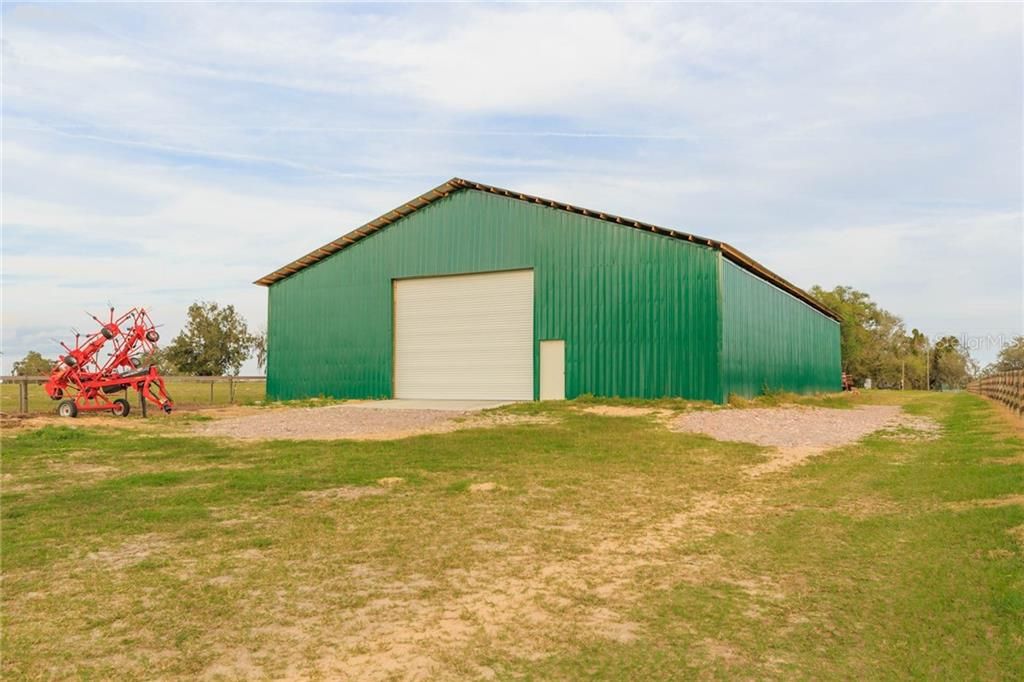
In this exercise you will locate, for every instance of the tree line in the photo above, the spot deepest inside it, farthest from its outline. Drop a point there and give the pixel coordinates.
(875, 345)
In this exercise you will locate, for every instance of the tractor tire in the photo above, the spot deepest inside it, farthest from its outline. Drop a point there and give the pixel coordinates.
(68, 408)
(152, 336)
(121, 408)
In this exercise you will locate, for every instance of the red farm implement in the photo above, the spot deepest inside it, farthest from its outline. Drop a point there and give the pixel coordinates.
(84, 382)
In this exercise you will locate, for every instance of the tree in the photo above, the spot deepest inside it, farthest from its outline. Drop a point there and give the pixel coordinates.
(215, 341)
(914, 354)
(1011, 356)
(855, 310)
(951, 363)
(33, 364)
(873, 341)
(259, 347)
(876, 345)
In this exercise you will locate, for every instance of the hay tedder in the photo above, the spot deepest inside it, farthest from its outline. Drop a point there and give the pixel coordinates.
(84, 382)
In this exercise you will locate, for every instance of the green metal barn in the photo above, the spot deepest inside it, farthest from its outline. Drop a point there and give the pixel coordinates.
(475, 292)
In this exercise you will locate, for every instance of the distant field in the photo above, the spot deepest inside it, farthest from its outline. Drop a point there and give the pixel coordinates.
(184, 392)
(573, 540)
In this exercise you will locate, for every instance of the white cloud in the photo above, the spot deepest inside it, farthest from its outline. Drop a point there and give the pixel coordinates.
(945, 275)
(178, 240)
(215, 142)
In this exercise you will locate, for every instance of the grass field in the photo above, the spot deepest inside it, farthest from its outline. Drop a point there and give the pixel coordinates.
(587, 546)
(185, 392)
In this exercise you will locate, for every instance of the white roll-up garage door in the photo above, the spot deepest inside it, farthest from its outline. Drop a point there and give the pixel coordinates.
(465, 336)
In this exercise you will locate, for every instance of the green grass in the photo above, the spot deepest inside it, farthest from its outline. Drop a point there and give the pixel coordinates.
(184, 392)
(609, 547)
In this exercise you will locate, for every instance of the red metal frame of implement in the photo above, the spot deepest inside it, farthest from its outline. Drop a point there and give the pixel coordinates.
(82, 382)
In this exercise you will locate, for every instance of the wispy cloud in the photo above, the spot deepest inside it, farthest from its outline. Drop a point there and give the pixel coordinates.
(161, 153)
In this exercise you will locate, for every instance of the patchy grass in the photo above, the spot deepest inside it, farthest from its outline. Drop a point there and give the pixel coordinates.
(677, 404)
(587, 546)
(842, 401)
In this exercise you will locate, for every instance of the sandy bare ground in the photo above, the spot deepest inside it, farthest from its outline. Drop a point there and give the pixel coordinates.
(522, 596)
(663, 415)
(534, 601)
(355, 423)
(797, 433)
(412, 628)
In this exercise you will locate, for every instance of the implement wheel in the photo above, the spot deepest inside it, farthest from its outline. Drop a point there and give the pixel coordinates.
(68, 408)
(121, 407)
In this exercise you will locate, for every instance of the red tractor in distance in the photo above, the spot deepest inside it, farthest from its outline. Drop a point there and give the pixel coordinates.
(83, 383)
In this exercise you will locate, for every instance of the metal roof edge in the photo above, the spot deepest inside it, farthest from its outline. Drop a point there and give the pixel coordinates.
(456, 184)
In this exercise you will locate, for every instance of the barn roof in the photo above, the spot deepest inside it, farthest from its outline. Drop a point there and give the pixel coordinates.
(458, 184)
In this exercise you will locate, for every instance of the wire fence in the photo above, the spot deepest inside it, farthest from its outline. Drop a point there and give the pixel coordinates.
(1006, 387)
(25, 394)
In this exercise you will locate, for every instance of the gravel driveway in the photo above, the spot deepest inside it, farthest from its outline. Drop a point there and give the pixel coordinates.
(785, 427)
(336, 421)
(798, 433)
(797, 427)
(351, 422)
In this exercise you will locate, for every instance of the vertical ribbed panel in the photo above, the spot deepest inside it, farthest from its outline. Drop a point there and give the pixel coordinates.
(773, 340)
(638, 311)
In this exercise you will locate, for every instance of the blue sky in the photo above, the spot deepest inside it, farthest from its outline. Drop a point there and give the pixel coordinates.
(155, 154)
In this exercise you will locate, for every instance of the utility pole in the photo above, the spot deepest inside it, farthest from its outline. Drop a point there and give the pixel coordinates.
(927, 367)
(903, 375)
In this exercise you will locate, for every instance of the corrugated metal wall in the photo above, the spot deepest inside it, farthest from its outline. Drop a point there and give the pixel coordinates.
(638, 311)
(771, 339)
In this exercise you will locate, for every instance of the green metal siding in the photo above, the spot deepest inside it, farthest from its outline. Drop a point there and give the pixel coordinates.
(638, 311)
(773, 340)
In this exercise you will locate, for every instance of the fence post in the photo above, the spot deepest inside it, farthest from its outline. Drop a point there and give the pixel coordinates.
(23, 396)
(231, 390)
(211, 392)
(1020, 392)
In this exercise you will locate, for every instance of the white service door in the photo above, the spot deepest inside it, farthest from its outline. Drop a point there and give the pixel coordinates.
(552, 369)
(465, 337)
